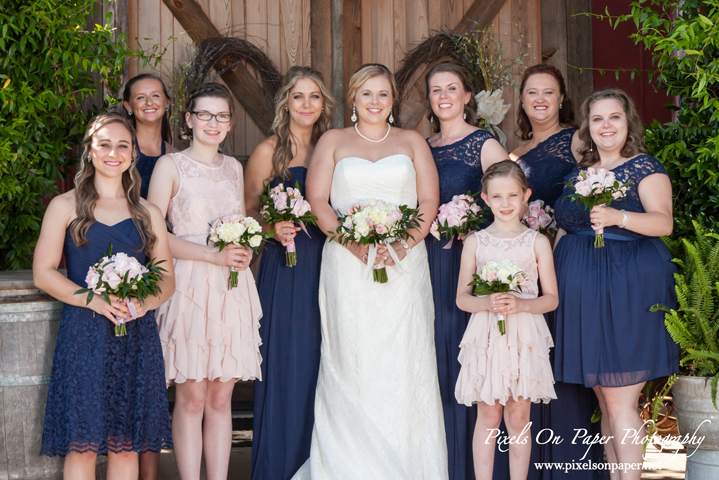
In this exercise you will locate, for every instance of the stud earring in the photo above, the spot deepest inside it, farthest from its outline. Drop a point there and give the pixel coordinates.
(591, 147)
(89, 158)
(522, 106)
(431, 119)
(391, 118)
(167, 109)
(464, 116)
(353, 118)
(129, 112)
(560, 106)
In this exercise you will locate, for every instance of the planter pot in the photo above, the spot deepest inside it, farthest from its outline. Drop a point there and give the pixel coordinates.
(29, 322)
(692, 399)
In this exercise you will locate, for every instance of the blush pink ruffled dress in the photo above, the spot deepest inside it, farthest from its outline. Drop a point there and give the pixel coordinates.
(498, 367)
(208, 331)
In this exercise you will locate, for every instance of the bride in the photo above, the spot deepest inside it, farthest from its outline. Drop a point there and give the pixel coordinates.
(378, 412)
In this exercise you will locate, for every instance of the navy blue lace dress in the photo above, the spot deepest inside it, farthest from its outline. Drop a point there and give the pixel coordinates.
(107, 393)
(291, 336)
(606, 333)
(145, 166)
(460, 169)
(547, 164)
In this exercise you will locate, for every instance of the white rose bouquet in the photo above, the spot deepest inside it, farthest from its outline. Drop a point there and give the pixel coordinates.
(282, 204)
(540, 217)
(375, 222)
(237, 230)
(498, 277)
(597, 186)
(125, 277)
(459, 216)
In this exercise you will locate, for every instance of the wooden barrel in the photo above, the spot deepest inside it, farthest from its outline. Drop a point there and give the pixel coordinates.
(29, 322)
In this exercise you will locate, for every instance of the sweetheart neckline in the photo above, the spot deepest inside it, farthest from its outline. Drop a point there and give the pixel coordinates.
(377, 161)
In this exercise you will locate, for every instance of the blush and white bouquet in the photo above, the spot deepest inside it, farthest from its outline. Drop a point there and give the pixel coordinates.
(498, 276)
(125, 277)
(375, 222)
(540, 217)
(236, 229)
(597, 186)
(286, 204)
(459, 216)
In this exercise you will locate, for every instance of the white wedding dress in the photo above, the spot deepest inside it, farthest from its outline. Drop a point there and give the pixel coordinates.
(378, 411)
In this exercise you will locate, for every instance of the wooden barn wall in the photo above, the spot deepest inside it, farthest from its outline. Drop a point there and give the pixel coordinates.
(281, 28)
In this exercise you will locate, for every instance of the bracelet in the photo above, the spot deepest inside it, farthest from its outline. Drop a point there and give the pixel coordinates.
(625, 219)
(405, 245)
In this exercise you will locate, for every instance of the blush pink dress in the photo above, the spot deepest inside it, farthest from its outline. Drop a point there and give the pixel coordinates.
(498, 367)
(208, 331)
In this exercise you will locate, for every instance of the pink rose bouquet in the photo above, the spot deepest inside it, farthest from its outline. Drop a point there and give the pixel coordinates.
(124, 277)
(597, 186)
(498, 277)
(237, 230)
(540, 217)
(460, 216)
(375, 222)
(282, 204)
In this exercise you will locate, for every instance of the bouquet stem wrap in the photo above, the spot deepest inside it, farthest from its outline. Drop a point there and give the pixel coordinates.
(379, 271)
(120, 328)
(233, 280)
(501, 323)
(291, 254)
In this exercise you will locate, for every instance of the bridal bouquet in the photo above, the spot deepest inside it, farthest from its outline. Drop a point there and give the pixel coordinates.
(237, 230)
(597, 186)
(540, 217)
(124, 277)
(498, 277)
(375, 222)
(282, 204)
(459, 216)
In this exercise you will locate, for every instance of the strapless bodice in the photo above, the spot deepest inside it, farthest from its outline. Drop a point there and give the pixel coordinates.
(392, 179)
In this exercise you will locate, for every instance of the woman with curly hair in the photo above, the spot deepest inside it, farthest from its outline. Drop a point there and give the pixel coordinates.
(290, 330)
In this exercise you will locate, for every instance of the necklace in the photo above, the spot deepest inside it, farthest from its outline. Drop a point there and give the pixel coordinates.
(389, 127)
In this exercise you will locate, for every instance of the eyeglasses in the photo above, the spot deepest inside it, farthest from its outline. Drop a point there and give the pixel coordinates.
(207, 116)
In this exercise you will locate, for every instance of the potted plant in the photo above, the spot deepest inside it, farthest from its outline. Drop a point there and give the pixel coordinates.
(694, 326)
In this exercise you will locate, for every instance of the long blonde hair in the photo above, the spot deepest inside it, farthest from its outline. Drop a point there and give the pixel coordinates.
(86, 195)
(282, 156)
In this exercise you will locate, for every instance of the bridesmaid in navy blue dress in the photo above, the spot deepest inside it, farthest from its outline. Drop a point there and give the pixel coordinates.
(545, 121)
(107, 393)
(146, 104)
(461, 152)
(290, 327)
(606, 336)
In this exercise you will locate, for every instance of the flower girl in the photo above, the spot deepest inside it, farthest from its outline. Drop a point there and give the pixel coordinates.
(505, 350)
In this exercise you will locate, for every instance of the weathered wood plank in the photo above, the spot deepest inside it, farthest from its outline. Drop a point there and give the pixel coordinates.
(274, 32)
(352, 48)
(336, 14)
(399, 17)
(12, 411)
(384, 40)
(32, 421)
(413, 105)
(366, 25)
(554, 33)
(256, 24)
(291, 33)
(305, 54)
(219, 13)
(321, 41)
(239, 140)
(579, 50)
(242, 84)
(417, 22)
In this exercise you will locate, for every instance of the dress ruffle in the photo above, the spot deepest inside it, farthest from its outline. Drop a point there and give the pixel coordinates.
(498, 367)
(208, 331)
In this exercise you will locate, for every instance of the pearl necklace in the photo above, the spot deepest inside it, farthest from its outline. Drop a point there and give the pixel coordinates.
(389, 127)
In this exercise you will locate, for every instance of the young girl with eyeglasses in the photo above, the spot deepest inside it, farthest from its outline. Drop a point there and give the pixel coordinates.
(210, 335)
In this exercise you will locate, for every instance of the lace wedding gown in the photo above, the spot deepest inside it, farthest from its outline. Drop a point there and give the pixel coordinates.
(378, 412)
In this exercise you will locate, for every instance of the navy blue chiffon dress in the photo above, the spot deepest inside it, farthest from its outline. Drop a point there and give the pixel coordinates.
(460, 169)
(291, 337)
(145, 165)
(606, 333)
(107, 393)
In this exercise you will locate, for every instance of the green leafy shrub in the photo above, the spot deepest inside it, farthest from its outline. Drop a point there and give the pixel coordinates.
(694, 325)
(48, 56)
(683, 36)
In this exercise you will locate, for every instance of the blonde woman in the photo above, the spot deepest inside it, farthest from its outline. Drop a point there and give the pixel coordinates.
(290, 329)
(378, 412)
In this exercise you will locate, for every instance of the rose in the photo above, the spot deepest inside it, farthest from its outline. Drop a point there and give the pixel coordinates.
(433, 229)
(533, 223)
(255, 241)
(491, 107)
(281, 202)
(111, 278)
(454, 221)
(534, 209)
(92, 278)
(583, 188)
(381, 229)
(544, 219)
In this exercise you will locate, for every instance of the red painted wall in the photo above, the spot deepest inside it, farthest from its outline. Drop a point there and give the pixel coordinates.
(612, 49)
